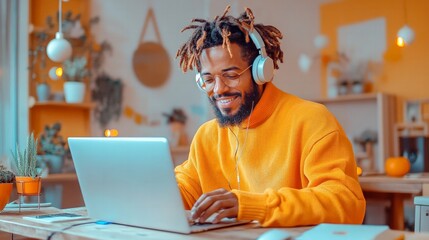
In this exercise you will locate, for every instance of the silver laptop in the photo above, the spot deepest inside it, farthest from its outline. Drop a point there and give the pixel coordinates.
(131, 181)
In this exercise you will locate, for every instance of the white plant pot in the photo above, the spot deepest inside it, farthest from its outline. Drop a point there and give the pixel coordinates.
(74, 92)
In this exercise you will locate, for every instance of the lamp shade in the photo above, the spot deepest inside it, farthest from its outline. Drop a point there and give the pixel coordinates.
(406, 34)
(59, 49)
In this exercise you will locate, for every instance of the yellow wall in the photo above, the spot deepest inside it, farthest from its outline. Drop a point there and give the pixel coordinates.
(405, 70)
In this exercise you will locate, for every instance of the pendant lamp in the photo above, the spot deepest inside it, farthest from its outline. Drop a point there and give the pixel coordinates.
(405, 35)
(59, 49)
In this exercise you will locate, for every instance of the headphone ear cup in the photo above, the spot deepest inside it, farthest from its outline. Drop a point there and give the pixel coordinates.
(263, 70)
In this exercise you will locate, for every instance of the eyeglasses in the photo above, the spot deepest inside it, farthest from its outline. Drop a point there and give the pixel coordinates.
(229, 78)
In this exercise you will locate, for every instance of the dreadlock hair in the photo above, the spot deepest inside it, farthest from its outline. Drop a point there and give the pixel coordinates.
(225, 30)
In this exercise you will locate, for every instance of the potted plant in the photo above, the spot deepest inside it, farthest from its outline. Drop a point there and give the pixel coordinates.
(6, 184)
(37, 59)
(28, 181)
(52, 148)
(74, 73)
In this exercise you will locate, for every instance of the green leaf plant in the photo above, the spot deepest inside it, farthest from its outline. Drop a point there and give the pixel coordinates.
(25, 160)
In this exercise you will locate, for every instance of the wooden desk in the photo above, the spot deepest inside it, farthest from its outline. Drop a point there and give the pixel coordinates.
(62, 190)
(68, 189)
(11, 221)
(396, 190)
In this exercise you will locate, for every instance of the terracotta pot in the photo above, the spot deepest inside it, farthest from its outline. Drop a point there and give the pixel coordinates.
(5, 191)
(28, 185)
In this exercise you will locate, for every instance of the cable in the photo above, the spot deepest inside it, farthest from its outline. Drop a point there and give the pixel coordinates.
(237, 158)
(60, 16)
(235, 154)
(242, 148)
(66, 228)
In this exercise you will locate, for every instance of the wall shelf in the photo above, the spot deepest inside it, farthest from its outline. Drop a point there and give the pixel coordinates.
(64, 104)
(372, 111)
(349, 98)
(75, 118)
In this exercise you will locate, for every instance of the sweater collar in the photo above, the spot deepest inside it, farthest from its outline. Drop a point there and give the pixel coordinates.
(264, 108)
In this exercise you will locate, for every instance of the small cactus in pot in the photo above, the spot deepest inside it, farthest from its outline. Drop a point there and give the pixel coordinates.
(6, 183)
(6, 176)
(28, 181)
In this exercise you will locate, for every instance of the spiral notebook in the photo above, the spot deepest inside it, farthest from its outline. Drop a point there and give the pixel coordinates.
(55, 217)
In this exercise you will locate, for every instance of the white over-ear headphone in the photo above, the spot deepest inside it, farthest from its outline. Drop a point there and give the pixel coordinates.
(263, 65)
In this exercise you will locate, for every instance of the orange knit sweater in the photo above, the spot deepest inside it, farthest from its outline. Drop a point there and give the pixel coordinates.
(296, 165)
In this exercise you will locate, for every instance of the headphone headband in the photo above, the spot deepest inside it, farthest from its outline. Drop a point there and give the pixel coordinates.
(258, 41)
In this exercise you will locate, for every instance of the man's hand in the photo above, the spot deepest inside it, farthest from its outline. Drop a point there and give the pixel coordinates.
(220, 202)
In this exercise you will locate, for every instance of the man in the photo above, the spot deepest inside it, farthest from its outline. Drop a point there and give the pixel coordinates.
(269, 156)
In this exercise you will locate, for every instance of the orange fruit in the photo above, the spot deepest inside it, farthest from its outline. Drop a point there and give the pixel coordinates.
(397, 166)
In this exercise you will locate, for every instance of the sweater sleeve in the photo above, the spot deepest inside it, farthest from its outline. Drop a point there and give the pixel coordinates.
(188, 180)
(330, 193)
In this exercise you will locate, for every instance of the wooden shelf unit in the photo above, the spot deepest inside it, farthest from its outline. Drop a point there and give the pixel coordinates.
(371, 111)
(75, 118)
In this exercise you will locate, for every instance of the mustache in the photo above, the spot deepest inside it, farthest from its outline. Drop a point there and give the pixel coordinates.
(216, 96)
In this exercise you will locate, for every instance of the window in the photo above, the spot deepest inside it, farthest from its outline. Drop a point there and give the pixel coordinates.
(13, 74)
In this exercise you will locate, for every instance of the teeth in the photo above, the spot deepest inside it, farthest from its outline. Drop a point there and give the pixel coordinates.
(224, 101)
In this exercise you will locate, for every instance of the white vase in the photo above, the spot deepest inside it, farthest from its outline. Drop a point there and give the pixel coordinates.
(74, 92)
(43, 91)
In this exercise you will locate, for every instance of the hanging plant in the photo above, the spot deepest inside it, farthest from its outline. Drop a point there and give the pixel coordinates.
(108, 95)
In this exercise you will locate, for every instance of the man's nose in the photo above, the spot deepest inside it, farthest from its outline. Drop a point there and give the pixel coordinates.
(219, 86)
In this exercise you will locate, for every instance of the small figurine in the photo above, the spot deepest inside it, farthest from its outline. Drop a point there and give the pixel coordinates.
(177, 121)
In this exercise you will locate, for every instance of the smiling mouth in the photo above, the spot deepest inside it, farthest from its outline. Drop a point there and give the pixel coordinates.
(227, 104)
(226, 101)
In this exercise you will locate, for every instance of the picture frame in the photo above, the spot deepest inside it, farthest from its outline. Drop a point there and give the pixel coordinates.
(412, 111)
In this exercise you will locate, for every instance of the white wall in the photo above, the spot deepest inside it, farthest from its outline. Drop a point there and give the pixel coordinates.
(121, 24)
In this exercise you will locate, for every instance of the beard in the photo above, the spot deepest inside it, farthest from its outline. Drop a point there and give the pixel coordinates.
(250, 99)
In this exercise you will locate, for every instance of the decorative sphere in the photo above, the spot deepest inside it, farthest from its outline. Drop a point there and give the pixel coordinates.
(320, 41)
(53, 73)
(59, 49)
(31, 101)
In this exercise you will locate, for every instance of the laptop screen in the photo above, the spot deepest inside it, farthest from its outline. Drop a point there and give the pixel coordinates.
(129, 181)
